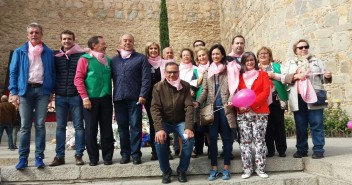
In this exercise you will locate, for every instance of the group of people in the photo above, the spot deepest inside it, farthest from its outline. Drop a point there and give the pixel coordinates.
(89, 85)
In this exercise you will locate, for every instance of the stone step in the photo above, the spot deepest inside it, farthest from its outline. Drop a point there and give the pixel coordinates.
(275, 178)
(69, 171)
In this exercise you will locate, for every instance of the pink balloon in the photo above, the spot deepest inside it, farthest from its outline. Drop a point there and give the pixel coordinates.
(349, 124)
(243, 98)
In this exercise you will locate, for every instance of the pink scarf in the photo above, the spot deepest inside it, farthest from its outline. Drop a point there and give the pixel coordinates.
(233, 73)
(233, 54)
(203, 67)
(75, 49)
(162, 67)
(307, 91)
(125, 54)
(249, 77)
(176, 84)
(155, 62)
(34, 51)
(215, 69)
(186, 67)
(98, 55)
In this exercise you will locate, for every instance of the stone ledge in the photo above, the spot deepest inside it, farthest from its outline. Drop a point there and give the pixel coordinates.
(277, 178)
(10, 174)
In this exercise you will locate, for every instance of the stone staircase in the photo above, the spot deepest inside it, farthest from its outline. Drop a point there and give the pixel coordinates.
(281, 170)
(334, 169)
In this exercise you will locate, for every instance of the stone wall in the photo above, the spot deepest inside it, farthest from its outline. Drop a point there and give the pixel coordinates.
(326, 24)
(188, 20)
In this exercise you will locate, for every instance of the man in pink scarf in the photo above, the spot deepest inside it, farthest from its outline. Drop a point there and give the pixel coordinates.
(132, 78)
(93, 82)
(237, 49)
(32, 80)
(172, 111)
(67, 98)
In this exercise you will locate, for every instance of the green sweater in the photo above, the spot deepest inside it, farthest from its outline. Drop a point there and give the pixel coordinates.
(98, 80)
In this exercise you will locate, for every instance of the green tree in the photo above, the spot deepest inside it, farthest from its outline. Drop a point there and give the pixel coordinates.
(163, 26)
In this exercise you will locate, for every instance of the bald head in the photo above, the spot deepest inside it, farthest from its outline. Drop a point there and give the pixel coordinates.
(4, 98)
(168, 53)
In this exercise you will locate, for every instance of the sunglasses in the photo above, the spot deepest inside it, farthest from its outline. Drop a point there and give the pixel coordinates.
(172, 72)
(301, 47)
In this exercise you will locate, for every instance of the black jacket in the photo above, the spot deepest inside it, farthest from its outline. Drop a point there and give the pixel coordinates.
(65, 74)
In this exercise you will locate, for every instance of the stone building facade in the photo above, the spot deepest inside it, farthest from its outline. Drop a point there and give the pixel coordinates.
(327, 24)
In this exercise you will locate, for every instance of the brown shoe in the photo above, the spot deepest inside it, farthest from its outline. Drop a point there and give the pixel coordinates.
(79, 160)
(57, 161)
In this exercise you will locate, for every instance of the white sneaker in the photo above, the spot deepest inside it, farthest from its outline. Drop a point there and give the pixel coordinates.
(261, 174)
(246, 175)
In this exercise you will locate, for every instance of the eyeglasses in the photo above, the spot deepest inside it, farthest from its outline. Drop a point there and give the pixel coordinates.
(172, 72)
(301, 47)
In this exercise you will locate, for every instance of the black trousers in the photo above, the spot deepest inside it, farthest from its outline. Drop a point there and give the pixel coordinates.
(198, 139)
(100, 114)
(275, 133)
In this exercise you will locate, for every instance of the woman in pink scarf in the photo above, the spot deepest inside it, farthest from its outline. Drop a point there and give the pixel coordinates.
(202, 60)
(253, 120)
(152, 51)
(305, 74)
(219, 77)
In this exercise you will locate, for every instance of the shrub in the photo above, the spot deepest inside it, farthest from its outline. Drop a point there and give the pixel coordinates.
(335, 120)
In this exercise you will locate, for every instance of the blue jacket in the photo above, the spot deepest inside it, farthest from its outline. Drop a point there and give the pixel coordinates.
(131, 77)
(19, 70)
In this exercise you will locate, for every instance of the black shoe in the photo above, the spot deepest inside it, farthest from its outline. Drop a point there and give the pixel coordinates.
(270, 154)
(137, 161)
(107, 162)
(93, 163)
(154, 157)
(166, 177)
(299, 155)
(317, 156)
(177, 152)
(282, 155)
(181, 176)
(125, 160)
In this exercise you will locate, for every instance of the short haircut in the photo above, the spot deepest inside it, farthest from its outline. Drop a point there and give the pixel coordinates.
(267, 49)
(68, 32)
(93, 40)
(222, 51)
(238, 36)
(146, 49)
(190, 51)
(35, 25)
(198, 41)
(244, 58)
(171, 64)
(200, 48)
(128, 35)
(296, 43)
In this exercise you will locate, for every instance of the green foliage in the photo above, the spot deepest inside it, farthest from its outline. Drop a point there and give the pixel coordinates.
(290, 128)
(163, 26)
(335, 120)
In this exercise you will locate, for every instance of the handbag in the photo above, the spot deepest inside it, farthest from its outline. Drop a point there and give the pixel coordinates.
(322, 97)
(207, 112)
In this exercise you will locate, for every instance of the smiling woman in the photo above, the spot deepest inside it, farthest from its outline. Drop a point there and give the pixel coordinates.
(253, 120)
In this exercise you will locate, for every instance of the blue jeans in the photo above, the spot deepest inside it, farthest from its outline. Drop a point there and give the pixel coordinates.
(315, 119)
(129, 120)
(33, 104)
(75, 107)
(8, 128)
(221, 126)
(163, 150)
